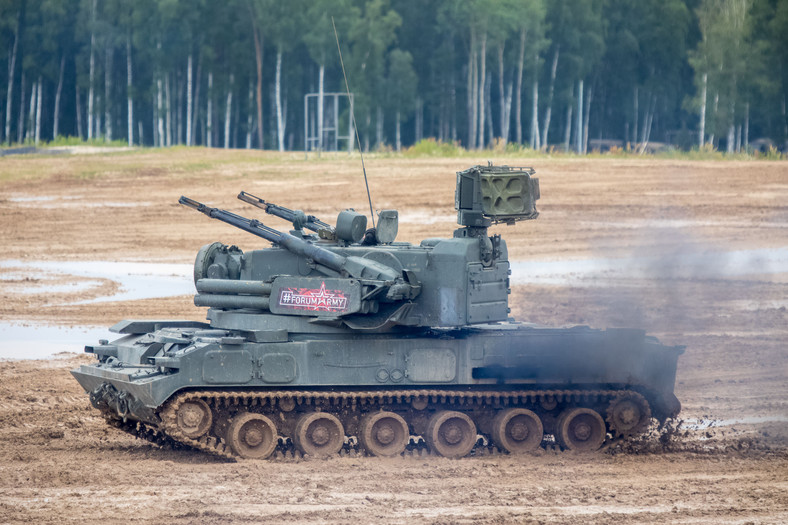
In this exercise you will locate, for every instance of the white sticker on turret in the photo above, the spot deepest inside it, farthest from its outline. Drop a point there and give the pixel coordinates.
(313, 299)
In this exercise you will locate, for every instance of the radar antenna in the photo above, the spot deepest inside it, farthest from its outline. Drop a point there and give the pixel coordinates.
(355, 128)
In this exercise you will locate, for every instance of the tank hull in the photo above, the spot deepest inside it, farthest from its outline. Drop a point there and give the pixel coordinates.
(142, 376)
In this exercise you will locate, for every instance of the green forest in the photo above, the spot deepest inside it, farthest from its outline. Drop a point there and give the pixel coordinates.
(574, 75)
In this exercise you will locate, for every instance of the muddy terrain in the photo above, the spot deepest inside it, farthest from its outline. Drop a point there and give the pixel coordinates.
(695, 252)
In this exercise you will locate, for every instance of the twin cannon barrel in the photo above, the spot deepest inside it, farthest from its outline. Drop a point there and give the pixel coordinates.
(226, 293)
(298, 246)
(378, 280)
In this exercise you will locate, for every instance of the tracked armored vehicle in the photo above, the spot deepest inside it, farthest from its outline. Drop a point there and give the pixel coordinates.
(339, 336)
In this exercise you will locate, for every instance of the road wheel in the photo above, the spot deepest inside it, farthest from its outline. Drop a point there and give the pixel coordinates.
(580, 429)
(319, 434)
(252, 435)
(384, 434)
(451, 434)
(517, 430)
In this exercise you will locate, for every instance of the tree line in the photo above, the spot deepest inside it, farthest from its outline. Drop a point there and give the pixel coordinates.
(542, 73)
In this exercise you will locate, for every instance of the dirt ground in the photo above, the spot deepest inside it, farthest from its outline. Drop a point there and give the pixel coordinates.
(728, 463)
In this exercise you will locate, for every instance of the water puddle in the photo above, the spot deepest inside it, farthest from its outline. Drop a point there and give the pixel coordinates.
(678, 224)
(70, 201)
(759, 305)
(703, 424)
(683, 265)
(48, 284)
(35, 341)
(136, 280)
(139, 280)
(39, 198)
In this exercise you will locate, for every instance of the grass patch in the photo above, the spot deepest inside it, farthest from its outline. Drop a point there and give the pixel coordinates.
(179, 162)
(211, 158)
(62, 141)
(187, 162)
(77, 141)
(431, 147)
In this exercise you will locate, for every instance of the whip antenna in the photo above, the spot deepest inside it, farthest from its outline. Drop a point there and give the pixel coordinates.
(355, 128)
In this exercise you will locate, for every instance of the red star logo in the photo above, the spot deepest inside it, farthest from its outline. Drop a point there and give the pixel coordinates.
(322, 296)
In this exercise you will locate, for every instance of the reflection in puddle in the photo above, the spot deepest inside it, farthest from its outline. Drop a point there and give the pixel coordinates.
(39, 198)
(24, 284)
(157, 280)
(677, 224)
(702, 424)
(34, 341)
(69, 288)
(72, 201)
(686, 265)
(136, 280)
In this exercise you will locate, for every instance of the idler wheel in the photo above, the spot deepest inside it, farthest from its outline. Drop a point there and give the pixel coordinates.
(628, 414)
(252, 435)
(384, 434)
(194, 418)
(580, 429)
(451, 434)
(319, 434)
(517, 430)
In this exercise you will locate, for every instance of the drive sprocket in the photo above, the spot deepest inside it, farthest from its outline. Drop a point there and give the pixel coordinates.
(628, 413)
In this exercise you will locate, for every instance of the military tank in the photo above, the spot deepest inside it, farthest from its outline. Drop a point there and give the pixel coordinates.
(339, 335)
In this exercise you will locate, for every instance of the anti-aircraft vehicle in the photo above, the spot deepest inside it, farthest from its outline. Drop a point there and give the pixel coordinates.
(339, 336)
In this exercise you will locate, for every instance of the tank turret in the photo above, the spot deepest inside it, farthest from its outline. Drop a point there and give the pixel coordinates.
(339, 331)
(365, 280)
(333, 284)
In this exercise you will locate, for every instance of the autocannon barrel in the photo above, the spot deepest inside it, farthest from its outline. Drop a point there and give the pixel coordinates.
(231, 286)
(356, 267)
(301, 247)
(230, 293)
(298, 218)
(232, 301)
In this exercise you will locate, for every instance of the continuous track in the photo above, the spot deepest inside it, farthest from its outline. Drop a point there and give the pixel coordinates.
(285, 407)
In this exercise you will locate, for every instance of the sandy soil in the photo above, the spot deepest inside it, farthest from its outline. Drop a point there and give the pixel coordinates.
(59, 463)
